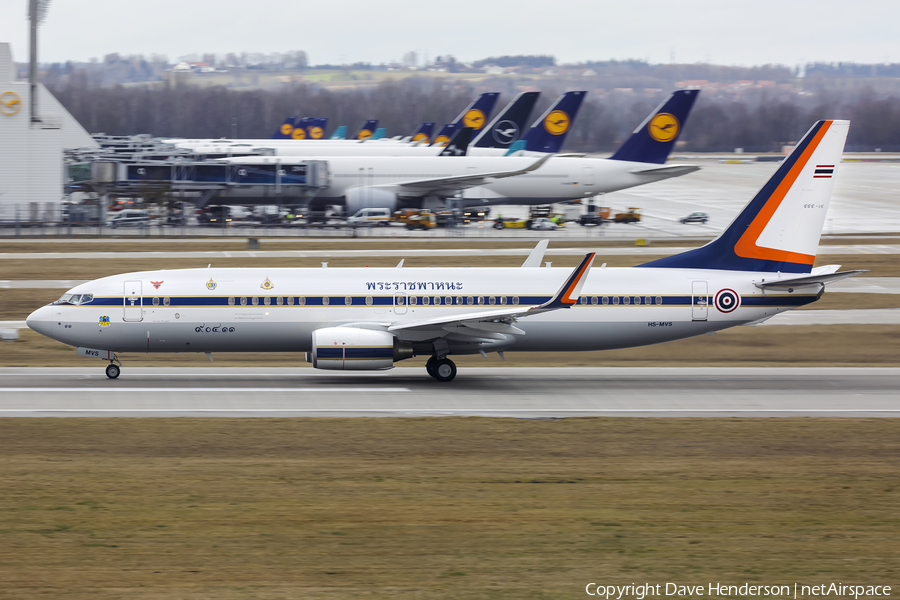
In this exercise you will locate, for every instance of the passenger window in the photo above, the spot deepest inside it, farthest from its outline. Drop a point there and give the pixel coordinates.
(166, 300)
(515, 299)
(324, 300)
(399, 300)
(368, 300)
(502, 299)
(492, 300)
(279, 300)
(412, 300)
(459, 300)
(255, 301)
(290, 300)
(243, 301)
(470, 300)
(348, 300)
(301, 300)
(659, 299)
(637, 299)
(648, 300)
(267, 300)
(480, 299)
(605, 299)
(626, 300)
(155, 301)
(582, 300)
(615, 299)
(425, 299)
(594, 300)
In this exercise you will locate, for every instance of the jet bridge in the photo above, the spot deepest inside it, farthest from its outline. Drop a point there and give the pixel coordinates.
(250, 183)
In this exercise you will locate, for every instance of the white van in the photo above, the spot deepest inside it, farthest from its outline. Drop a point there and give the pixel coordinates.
(130, 217)
(369, 217)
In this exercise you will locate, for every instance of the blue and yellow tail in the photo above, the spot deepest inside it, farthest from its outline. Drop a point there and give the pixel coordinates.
(366, 131)
(652, 141)
(476, 115)
(287, 128)
(779, 229)
(508, 126)
(549, 132)
(423, 132)
(316, 128)
(443, 136)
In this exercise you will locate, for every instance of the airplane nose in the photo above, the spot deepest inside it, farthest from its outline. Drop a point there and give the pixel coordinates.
(41, 321)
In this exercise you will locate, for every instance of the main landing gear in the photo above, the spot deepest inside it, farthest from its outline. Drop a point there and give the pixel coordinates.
(112, 369)
(442, 369)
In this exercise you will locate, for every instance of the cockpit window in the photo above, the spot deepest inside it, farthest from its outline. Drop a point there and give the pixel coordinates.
(75, 299)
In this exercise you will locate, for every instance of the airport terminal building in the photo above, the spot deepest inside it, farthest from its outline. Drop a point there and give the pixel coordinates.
(32, 170)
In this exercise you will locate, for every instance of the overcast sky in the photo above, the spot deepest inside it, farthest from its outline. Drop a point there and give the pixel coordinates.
(742, 32)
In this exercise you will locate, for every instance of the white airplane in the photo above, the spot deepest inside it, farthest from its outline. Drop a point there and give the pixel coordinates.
(368, 319)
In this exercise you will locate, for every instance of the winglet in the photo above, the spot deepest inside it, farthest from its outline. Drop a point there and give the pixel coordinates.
(567, 295)
(534, 259)
(537, 164)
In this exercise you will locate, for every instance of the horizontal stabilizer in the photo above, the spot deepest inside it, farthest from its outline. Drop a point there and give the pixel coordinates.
(670, 170)
(794, 282)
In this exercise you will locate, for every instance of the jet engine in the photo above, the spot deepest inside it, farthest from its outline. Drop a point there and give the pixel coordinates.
(355, 349)
(359, 198)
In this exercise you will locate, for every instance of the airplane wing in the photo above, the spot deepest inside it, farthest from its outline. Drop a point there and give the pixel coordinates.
(491, 324)
(456, 182)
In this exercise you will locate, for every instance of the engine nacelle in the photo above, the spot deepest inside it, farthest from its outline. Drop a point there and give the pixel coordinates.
(359, 198)
(355, 349)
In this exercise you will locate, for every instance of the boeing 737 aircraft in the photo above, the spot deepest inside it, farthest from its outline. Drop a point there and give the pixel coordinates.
(370, 318)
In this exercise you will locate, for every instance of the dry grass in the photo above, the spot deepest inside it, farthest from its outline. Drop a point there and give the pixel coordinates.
(770, 345)
(440, 508)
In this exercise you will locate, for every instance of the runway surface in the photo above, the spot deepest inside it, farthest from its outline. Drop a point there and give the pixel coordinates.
(406, 392)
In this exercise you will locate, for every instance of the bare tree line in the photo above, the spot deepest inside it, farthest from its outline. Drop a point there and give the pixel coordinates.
(758, 120)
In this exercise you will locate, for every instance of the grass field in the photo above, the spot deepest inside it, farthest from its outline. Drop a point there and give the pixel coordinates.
(440, 508)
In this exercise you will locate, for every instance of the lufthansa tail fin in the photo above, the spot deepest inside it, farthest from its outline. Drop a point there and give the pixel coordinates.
(284, 132)
(339, 134)
(366, 131)
(443, 136)
(779, 229)
(549, 132)
(423, 132)
(508, 126)
(316, 128)
(477, 113)
(652, 141)
(299, 131)
(459, 143)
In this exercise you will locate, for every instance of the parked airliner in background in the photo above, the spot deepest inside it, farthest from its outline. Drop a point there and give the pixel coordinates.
(393, 182)
(370, 318)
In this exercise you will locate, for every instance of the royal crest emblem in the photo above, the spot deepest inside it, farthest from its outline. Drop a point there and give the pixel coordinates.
(267, 285)
(211, 284)
(156, 284)
(104, 321)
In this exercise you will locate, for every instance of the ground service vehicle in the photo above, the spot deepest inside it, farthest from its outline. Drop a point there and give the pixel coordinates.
(695, 217)
(632, 216)
(130, 217)
(370, 217)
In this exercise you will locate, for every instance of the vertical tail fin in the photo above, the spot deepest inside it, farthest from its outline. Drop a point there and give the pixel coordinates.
(316, 128)
(379, 133)
(299, 131)
(507, 127)
(477, 113)
(287, 128)
(366, 131)
(779, 229)
(549, 132)
(443, 136)
(459, 143)
(423, 132)
(340, 133)
(652, 141)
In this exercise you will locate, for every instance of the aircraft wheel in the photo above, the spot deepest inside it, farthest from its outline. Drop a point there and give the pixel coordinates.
(429, 366)
(444, 370)
(112, 371)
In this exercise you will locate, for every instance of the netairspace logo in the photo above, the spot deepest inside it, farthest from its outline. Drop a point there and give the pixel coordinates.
(796, 590)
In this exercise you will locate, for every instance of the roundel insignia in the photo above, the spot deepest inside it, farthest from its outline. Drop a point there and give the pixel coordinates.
(663, 127)
(506, 132)
(298, 134)
(727, 300)
(440, 140)
(10, 103)
(364, 134)
(286, 129)
(474, 119)
(316, 132)
(420, 137)
(557, 122)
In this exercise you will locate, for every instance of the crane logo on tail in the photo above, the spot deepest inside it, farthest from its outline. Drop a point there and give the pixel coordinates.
(663, 127)
(474, 119)
(557, 122)
(298, 134)
(364, 134)
(286, 129)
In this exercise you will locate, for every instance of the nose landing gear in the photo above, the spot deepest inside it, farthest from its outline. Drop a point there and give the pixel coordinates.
(112, 369)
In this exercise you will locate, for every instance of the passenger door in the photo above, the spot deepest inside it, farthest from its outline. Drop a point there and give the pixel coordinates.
(133, 301)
